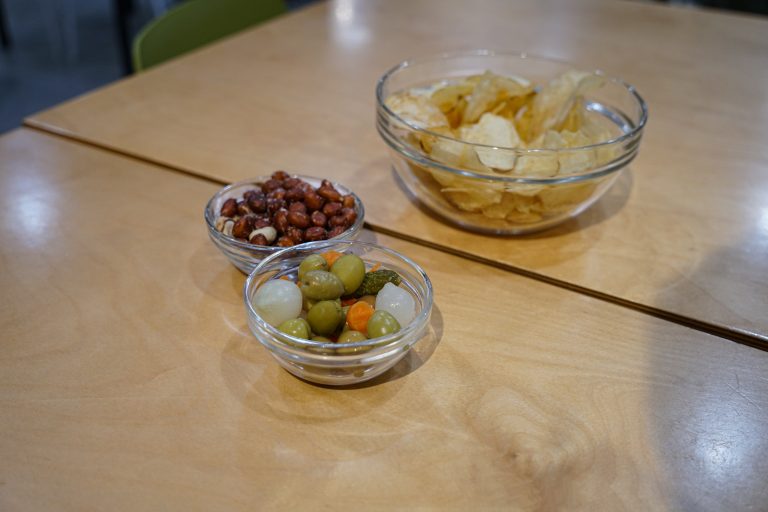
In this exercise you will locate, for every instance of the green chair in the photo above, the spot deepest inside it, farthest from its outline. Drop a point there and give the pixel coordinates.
(196, 23)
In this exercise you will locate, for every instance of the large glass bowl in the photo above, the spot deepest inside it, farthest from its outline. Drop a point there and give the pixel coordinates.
(516, 202)
(340, 363)
(245, 256)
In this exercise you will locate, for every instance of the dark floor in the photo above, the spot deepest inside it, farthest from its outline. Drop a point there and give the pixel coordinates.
(63, 48)
(59, 49)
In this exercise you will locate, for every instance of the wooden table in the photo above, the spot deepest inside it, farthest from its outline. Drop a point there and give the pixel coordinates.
(683, 235)
(129, 380)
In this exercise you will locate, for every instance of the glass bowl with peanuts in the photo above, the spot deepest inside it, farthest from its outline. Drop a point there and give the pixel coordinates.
(255, 218)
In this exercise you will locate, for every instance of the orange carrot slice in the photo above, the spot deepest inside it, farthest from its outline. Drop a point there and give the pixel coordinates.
(331, 257)
(358, 315)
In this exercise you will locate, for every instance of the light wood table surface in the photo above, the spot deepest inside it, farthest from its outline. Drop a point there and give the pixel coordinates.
(684, 233)
(129, 381)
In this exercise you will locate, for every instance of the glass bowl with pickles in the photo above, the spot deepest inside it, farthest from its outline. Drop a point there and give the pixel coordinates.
(338, 312)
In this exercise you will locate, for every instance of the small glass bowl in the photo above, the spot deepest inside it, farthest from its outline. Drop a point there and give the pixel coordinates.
(246, 256)
(515, 202)
(339, 364)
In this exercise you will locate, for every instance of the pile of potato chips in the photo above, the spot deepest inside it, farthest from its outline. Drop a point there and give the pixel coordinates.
(499, 114)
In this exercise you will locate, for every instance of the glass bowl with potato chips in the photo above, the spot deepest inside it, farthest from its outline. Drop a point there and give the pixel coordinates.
(507, 143)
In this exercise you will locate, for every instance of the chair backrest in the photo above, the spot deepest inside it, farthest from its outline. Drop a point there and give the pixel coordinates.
(196, 23)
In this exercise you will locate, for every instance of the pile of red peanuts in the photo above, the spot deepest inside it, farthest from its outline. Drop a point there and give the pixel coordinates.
(285, 211)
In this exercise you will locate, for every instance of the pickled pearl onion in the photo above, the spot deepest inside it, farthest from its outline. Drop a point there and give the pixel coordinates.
(278, 300)
(397, 302)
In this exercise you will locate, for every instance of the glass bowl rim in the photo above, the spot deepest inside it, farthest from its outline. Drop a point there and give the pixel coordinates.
(381, 101)
(383, 342)
(231, 241)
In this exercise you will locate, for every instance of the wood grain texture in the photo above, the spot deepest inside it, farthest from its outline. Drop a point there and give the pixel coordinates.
(685, 231)
(128, 378)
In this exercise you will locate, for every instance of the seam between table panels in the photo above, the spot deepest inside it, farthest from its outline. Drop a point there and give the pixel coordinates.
(71, 137)
(750, 339)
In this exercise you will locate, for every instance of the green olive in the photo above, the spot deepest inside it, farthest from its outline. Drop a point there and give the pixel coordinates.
(297, 327)
(382, 323)
(321, 350)
(306, 303)
(347, 351)
(351, 337)
(325, 316)
(312, 262)
(351, 270)
(322, 339)
(344, 325)
(321, 285)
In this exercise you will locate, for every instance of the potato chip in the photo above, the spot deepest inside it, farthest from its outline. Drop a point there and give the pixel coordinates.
(490, 91)
(553, 102)
(510, 107)
(574, 139)
(597, 132)
(493, 130)
(417, 110)
(510, 204)
(473, 198)
(523, 218)
(574, 118)
(524, 189)
(541, 165)
(456, 113)
(476, 79)
(446, 98)
(427, 140)
(456, 154)
(448, 151)
(468, 194)
(565, 196)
